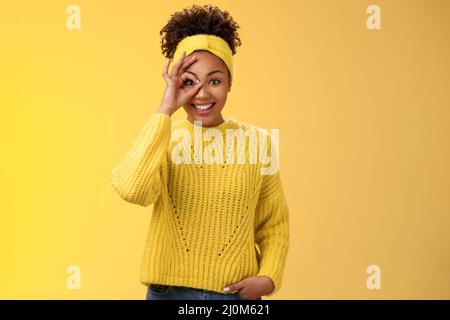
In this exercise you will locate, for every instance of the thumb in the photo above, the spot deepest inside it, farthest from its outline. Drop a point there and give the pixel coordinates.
(236, 286)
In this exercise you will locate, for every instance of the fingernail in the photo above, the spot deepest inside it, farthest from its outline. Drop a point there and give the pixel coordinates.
(226, 289)
(198, 81)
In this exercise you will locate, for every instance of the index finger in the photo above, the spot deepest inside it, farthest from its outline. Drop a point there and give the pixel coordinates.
(186, 64)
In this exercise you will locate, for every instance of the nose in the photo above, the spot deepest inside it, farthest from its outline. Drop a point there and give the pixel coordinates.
(202, 92)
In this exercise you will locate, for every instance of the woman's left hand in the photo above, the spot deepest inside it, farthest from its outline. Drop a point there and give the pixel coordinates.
(253, 287)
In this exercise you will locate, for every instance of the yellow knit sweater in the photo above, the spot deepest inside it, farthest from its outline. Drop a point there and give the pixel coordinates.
(213, 224)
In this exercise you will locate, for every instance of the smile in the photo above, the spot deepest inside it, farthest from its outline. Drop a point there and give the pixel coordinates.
(203, 107)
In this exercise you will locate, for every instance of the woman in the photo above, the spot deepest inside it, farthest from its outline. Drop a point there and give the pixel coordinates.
(219, 229)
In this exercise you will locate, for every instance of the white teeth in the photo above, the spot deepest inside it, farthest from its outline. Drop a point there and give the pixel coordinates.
(203, 107)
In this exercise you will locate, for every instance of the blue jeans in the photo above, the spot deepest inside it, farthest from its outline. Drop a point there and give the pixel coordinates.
(162, 292)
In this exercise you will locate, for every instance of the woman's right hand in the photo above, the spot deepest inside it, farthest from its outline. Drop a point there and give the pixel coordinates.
(177, 93)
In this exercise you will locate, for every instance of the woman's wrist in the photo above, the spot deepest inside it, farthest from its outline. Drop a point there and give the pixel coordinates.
(165, 110)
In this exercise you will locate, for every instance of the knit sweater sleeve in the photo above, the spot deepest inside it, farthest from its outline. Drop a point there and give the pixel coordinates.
(272, 229)
(137, 177)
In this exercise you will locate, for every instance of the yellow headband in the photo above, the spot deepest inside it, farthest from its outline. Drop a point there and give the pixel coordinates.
(209, 42)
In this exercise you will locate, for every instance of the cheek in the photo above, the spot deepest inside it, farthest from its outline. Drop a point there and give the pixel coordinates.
(221, 94)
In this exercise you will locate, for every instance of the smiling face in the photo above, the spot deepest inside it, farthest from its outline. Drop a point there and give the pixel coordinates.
(207, 104)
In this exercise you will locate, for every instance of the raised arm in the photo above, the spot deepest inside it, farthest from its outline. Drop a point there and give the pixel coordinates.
(137, 178)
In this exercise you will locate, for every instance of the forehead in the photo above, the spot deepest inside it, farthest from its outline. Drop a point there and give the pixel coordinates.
(207, 60)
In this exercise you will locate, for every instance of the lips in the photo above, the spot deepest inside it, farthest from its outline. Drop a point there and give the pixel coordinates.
(203, 109)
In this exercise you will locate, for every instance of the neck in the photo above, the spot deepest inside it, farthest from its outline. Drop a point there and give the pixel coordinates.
(217, 121)
(227, 123)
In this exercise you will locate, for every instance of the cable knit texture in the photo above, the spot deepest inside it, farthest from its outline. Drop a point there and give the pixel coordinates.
(213, 223)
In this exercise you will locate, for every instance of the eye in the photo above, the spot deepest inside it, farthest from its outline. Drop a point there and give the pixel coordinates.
(217, 81)
(188, 82)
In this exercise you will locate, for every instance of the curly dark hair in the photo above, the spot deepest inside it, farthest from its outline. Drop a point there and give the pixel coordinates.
(204, 19)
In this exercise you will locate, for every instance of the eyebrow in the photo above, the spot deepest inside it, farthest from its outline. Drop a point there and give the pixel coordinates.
(210, 73)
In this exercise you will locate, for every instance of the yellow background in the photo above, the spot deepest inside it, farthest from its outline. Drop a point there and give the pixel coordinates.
(364, 141)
